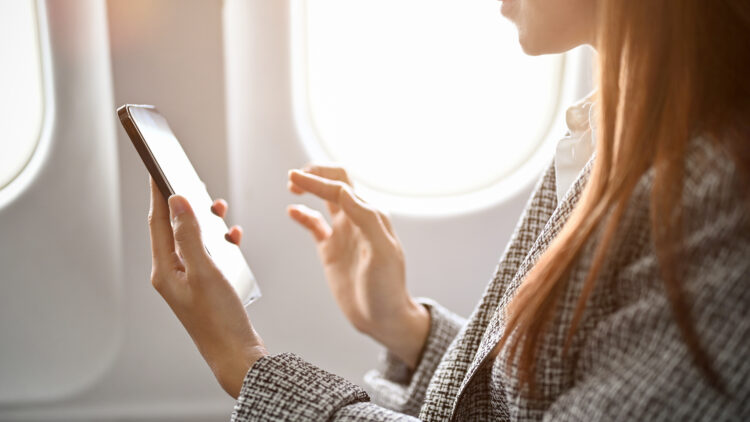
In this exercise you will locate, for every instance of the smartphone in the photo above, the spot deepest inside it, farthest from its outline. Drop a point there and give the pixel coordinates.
(174, 174)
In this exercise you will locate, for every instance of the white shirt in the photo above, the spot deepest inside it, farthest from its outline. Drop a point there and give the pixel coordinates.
(575, 149)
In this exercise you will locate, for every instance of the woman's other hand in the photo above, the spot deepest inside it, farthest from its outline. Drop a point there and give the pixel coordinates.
(199, 295)
(363, 261)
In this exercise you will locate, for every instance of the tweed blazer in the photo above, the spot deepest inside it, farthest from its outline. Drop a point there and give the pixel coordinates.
(627, 360)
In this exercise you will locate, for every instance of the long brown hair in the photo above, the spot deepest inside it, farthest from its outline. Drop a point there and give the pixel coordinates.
(669, 70)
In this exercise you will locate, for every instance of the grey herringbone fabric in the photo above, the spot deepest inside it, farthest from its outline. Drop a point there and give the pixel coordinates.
(627, 360)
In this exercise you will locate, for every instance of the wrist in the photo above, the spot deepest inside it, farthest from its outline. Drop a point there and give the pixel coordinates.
(231, 371)
(405, 334)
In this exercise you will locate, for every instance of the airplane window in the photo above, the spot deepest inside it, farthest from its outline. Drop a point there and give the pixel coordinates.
(424, 98)
(20, 87)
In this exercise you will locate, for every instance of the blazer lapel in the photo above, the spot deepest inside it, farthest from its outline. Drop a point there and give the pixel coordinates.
(441, 394)
(496, 326)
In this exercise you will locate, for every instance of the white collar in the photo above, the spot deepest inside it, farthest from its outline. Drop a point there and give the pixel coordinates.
(575, 149)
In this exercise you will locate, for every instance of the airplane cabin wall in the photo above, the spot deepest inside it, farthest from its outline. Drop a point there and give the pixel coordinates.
(60, 277)
(219, 71)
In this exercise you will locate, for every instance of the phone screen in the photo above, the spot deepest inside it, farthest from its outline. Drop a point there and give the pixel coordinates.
(173, 172)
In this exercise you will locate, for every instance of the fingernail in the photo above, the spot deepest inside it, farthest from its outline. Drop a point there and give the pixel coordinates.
(177, 205)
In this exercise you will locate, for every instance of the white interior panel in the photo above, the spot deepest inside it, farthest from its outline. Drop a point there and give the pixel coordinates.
(60, 320)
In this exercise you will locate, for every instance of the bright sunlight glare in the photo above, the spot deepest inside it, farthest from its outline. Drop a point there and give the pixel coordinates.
(425, 97)
(20, 87)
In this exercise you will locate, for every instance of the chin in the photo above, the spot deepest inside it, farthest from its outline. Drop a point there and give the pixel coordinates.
(534, 46)
(532, 50)
(530, 46)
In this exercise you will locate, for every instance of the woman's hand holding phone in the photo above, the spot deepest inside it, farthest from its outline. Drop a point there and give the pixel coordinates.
(363, 262)
(361, 256)
(199, 295)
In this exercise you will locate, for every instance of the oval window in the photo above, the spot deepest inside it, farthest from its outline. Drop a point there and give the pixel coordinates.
(20, 87)
(422, 98)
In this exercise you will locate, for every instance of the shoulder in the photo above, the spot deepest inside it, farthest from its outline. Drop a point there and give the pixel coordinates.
(715, 237)
(713, 187)
(633, 361)
(714, 243)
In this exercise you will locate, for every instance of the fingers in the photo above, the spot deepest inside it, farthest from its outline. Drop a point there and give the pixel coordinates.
(387, 223)
(162, 243)
(327, 172)
(294, 188)
(312, 220)
(321, 187)
(220, 207)
(363, 216)
(339, 193)
(187, 233)
(234, 235)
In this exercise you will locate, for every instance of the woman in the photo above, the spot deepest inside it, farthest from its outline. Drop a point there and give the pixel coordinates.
(624, 292)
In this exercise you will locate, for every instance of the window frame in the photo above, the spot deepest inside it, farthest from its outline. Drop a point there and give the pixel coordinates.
(30, 171)
(493, 194)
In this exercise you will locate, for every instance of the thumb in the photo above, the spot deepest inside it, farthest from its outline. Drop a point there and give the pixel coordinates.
(187, 232)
